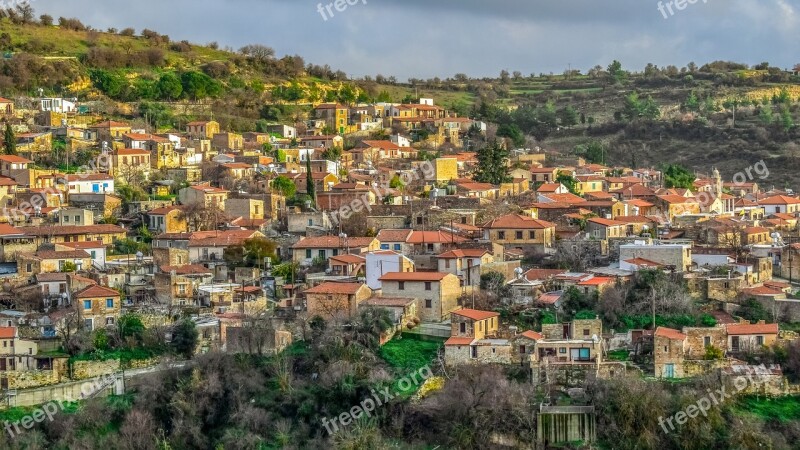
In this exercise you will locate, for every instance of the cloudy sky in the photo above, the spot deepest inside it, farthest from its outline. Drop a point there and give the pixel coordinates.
(426, 38)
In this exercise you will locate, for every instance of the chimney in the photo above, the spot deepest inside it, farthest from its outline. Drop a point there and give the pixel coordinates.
(761, 322)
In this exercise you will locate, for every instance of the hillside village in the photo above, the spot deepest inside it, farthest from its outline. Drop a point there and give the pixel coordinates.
(513, 257)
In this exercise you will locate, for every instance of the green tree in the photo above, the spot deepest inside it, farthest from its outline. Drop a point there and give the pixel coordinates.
(632, 107)
(765, 115)
(396, 182)
(495, 283)
(310, 187)
(332, 154)
(569, 182)
(184, 338)
(9, 140)
(492, 167)
(692, 103)
(676, 176)
(368, 326)
(594, 152)
(568, 117)
(130, 325)
(616, 72)
(198, 85)
(284, 185)
(169, 86)
(786, 118)
(511, 131)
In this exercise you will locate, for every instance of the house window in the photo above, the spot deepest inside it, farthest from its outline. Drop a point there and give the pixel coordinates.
(384, 246)
(401, 285)
(109, 303)
(427, 285)
(585, 331)
(501, 235)
(446, 263)
(522, 349)
(29, 267)
(397, 247)
(480, 325)
(66, 219)
(308, 253)
(519, 234)
(759, 340)
(87, 304)
(532, 234)
(707, 341)
(562, 350)
(462, 327)
(89, 324)
(109, 321)
(322, 253)
(428, 303)
(430, 247)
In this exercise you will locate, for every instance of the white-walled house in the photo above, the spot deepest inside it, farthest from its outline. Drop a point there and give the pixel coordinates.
(382, 262)
(95, 249)
(90, 183)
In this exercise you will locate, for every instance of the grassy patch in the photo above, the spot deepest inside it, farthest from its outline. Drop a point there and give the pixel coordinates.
(783, 409)
(618, 355)
(123, 354)
(411, 352)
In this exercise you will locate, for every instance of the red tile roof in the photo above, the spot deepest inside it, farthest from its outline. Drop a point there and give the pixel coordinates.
(670, 333)
(596, 281)
(779, 200)
(433, 237)
(455, 340)
(348, 259)
(550, 298)
(543, 274)
(746, 328)
(96, 291)
(464, 253)
(518, 221)
(606, 222)
(330, 287)
(475, 314)
(333, 242)
(392, 235)
(534, 335)
(8, 332)
(14, 159)
(414, 276)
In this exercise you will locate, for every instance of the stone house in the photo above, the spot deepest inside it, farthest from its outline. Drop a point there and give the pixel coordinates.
(203, 194)
(474, 323)
(677, 256)
(403, 312)
(603, 229)
(323, 247)
(747, 337)
(98, 306)
(335, 301)
(248, 208)
(437, 292)
(460, 261)
(520, 232)
(15, 352)
(45, 261)
(169, 219)
(205, 129)
(669, 348)
(177, 285)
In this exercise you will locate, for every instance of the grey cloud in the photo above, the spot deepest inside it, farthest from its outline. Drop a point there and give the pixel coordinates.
(426, 38)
